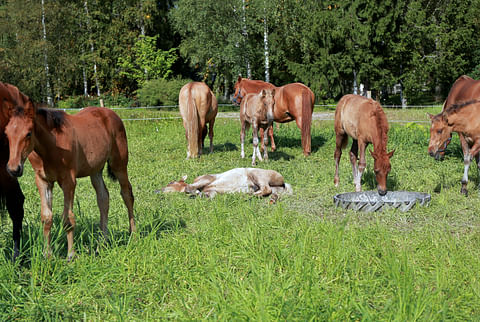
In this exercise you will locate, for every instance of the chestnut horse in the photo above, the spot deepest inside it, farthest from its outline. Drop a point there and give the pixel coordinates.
(364, 120)
(198, 106)
(462, 118)
(258, 182)
(464, 89)
(62, 148)
(11, 196)
(257, 110)
(293, 102)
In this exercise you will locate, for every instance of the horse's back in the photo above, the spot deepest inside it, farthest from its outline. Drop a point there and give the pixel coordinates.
(354, 114)
(463, 89)
(200, 93)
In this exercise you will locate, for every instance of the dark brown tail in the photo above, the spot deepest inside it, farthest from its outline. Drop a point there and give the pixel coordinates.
(307, 111)
(192, 121)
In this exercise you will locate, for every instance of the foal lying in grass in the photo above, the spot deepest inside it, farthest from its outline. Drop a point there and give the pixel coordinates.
(258, 182)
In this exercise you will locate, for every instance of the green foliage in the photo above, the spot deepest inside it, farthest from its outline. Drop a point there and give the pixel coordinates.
(146, 62)
(160, 92)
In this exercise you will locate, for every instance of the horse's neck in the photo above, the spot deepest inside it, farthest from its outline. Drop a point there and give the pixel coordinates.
(379, 139)
(45, 139)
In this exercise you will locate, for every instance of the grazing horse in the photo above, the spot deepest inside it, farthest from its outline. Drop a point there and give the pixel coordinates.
(257, 110)
(62, 148)
(461, 118)
(463, 90)
(293, 102)
(364, 120)
(198, 106)
(258, 182)
(11, 196)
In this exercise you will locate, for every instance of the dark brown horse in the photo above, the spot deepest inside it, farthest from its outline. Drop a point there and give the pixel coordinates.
(62, 148)
(463, 90)
(364, 120)
(198, 106)
(11, 195)
(293, 102)
(461, 118)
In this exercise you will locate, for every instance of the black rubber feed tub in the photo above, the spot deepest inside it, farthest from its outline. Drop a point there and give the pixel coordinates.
(369, 201)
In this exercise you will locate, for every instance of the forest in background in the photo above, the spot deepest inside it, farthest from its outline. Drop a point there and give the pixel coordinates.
(56, 50)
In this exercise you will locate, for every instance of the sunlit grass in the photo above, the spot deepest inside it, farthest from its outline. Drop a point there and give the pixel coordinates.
(236, 257)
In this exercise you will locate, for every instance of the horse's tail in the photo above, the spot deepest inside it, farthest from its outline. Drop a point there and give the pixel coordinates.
(192, 126)
(307, 111)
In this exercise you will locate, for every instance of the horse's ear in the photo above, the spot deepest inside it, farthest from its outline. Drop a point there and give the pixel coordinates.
(239, 79)
(390, 154)
(264, 92)
(431, 116)
(273, 92)
(184, 178)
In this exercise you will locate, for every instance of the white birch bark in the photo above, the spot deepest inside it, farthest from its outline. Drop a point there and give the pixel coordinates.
(265, 44)
(92, 48)
(47, 73)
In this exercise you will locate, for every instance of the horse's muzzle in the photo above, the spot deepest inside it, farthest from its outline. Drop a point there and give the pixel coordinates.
(15, 172)
(382, 192)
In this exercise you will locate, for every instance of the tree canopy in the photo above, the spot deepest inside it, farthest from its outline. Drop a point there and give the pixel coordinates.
(92, 47)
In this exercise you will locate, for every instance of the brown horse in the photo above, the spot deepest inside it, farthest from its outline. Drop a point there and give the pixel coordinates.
(198, 106)
(364, 120)
(257, 110)
(461, 118)
(62, 148)
(293, 102)
(463, 90)
(11, 195)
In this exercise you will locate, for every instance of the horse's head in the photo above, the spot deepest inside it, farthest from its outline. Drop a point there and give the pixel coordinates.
(440, 136)
(237, 90)
(381, 167)
(268, 100)
(20, 134)
(176, 186)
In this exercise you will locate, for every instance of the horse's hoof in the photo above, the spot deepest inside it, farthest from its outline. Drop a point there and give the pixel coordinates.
(464, 192)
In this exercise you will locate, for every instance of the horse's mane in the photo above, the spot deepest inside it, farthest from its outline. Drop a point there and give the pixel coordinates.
(54, 118)
(382, 122)
(458, 106)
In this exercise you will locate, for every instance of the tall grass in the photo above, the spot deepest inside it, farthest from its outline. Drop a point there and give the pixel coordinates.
(237, 257)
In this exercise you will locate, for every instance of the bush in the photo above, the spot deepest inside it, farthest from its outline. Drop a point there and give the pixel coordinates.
(109, 100)
(160, 92)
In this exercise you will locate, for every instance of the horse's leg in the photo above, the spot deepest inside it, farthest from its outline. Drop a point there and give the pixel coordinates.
(270, 133)
(202, 132)
(210, 133)
(256, 150)
(262, 143)
(45, 190)
(126, 193)
(362, 164)
(245, 126)
(466, 164)
(354, 161)
(14, 204)
(103, 200)
(339, 144)
(68, 187)
(265, 140)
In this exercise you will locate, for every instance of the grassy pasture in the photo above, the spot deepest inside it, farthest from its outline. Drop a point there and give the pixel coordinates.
(238, 258)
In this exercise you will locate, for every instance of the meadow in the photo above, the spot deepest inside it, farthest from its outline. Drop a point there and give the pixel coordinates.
(237, 257)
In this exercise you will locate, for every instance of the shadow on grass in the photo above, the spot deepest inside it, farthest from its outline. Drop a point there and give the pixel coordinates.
(87, 238)
(370, 181)
(290, 142)
(227, 146)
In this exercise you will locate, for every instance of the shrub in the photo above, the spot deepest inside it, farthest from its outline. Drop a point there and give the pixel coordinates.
(160, 92)
(109, 100)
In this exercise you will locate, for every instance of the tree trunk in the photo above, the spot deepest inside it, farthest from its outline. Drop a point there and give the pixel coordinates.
(265, 44)
(92, 49)
(47, 74)
(245, 35)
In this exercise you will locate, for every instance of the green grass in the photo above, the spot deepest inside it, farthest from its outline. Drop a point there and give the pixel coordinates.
(237, 257)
